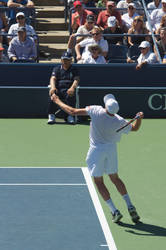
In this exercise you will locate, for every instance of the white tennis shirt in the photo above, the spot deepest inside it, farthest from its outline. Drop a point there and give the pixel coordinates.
(103, 126)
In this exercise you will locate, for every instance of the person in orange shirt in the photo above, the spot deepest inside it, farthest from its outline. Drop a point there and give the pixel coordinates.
(79, 16)
(105, 14)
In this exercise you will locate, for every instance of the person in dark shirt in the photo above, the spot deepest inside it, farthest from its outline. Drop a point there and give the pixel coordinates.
(113, 28)
(63, 82)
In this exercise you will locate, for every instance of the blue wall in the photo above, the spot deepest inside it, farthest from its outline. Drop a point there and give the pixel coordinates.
(135, 90)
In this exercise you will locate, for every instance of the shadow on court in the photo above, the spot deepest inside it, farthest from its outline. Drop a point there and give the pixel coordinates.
(151, 230)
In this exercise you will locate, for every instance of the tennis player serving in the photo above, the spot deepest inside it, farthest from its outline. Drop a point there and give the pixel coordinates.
(102, 154)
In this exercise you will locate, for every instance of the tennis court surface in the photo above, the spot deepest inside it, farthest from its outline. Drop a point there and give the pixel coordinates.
(51, 208)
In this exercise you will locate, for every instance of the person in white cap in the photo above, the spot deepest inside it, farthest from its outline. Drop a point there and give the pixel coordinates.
(146, 55)
(128, 18)
(102, 154)
(21, 22)
(155, 4)
(113, 28)
(156, 16)
(123, 4)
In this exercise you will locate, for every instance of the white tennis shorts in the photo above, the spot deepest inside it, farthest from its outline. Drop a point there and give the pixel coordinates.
(102, 159)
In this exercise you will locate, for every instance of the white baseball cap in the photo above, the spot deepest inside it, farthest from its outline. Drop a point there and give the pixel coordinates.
(163, 1)
(131, 4)
(111, 104)
(111, 22)
(20, 14)
(144, 44)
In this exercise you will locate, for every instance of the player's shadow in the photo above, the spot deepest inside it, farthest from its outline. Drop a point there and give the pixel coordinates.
(144, 229)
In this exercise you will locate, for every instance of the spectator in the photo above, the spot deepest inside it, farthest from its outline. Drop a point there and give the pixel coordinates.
(3, 58)
(13, 30)
(113, 28)
(146, 55)
(63, 82)
(155, 4)
(79, 17)
(29, 11)
(95, 56)
(123, 4)
(22, 48)
(90, 4)
(138, 27)
(161, 44)
(162, 24)
(129, 16)
(3, 25)
(110, 11)
(101, 4)
(157, 15)
(97, 38)
(82, 30)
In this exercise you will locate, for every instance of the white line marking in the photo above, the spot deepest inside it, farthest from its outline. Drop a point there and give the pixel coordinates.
(99, 210)
(104, 245)
(43, 184)
(41, 167)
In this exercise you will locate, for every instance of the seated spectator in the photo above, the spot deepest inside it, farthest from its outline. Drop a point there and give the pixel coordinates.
(3, 25)
(30, 11)
(64, 81)
(155, 4)
(79, 16)
(113, 28)
(97, 38)
(156, 16)
(162, 25)
(3, 58)
(22, 48)
(82, 30)
(110, 11)
(161, 44)
(129, 16)
(101, 4)
(138, 27)
(123, 4)
(146, 55)
(13, 30)
(95, 56)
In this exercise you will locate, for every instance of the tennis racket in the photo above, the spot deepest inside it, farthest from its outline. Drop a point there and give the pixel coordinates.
(132, 120)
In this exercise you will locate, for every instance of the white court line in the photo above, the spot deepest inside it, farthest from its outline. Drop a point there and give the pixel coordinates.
(99, 210)
(43, 184)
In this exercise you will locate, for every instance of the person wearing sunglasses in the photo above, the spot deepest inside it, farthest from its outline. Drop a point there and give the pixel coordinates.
(97, 38)
(21, 22)
(145, 57)
(128, 18)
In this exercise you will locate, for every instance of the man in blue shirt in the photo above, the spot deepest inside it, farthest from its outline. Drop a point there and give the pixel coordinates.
(64, 80)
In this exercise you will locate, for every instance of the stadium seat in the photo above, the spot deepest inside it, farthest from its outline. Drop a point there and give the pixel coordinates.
(117, 53)
(134, 52)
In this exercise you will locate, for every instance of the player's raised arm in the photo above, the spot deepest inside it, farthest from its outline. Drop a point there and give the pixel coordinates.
(70, 110)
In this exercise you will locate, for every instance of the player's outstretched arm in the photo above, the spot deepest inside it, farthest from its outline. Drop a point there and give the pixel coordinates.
(70, 110)
(137, 123)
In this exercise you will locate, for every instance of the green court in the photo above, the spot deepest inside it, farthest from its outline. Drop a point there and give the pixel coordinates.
(32, 143)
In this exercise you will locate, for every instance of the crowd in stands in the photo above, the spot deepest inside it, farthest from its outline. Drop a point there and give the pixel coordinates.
(18, 39)
(95, 27)
(123, 23)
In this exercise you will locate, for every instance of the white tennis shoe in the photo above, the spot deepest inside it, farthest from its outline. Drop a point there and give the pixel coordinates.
(51, 119)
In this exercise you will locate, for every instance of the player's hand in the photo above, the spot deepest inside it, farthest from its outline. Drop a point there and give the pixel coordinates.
(70, 91)
(140, 114)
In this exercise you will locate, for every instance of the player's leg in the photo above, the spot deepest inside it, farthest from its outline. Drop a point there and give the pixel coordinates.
(116, 215)
(123, 191)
